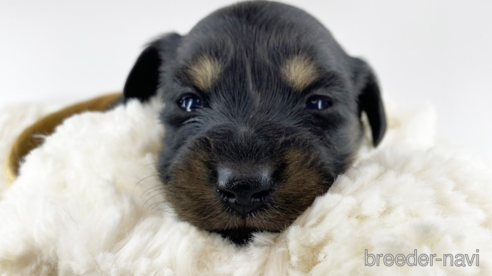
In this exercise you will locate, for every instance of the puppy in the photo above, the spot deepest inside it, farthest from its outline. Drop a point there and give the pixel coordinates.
(262, 112)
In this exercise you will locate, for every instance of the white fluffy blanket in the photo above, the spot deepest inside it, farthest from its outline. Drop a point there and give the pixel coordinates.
(88, 203)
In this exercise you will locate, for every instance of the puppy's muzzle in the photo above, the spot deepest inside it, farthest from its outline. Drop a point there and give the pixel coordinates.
(233, 177)
(245, 188)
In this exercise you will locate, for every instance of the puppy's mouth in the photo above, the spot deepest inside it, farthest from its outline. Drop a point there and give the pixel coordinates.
(246, 225)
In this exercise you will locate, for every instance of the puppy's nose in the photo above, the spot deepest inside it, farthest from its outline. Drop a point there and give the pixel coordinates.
(244, 189)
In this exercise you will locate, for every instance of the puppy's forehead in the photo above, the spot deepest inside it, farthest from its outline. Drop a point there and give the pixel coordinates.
(296, 71)
(261, 43)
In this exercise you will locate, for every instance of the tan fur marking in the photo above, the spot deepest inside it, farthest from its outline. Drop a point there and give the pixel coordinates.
(299, 72)
(204, 72)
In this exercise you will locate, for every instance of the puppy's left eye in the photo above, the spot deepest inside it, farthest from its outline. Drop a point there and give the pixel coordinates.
(318, 102)
(190, 103)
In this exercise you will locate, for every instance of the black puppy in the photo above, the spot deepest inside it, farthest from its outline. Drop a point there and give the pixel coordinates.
(262, 112)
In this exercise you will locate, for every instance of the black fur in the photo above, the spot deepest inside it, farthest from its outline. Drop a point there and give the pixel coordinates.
(252, 118)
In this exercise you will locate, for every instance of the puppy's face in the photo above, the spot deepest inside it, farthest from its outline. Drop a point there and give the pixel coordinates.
(262, 113)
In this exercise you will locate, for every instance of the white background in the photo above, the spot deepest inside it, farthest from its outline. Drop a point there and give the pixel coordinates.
(437, 50)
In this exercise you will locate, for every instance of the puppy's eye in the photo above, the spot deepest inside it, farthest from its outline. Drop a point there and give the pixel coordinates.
(190, 103)
(318, 102)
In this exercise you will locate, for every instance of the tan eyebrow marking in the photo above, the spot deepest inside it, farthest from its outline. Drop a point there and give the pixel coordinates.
(299, 72)
(204, 71)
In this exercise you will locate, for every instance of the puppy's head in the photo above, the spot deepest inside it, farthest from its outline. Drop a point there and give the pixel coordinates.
(262, 112)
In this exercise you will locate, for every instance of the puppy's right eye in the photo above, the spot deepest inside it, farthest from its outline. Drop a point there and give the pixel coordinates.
(190, 103)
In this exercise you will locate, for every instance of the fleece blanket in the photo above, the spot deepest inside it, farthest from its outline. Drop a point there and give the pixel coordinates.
(88, 202)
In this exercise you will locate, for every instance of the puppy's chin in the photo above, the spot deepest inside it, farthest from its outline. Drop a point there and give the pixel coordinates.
(239, 236)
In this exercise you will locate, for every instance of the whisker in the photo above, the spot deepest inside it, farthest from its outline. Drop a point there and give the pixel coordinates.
(152, 189)
(141, 180)
(152, 163)
(145, 203)
(159, 203)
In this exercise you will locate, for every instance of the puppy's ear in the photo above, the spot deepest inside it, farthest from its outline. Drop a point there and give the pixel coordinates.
(144, 78)
(369, 98)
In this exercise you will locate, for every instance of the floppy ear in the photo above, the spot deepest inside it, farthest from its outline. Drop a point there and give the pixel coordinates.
(144, 78)
(369, 99)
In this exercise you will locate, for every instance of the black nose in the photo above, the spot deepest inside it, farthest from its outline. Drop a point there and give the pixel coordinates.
(244, 189)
